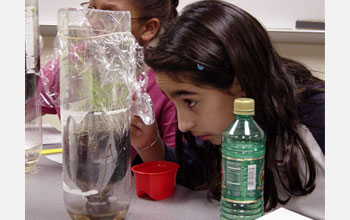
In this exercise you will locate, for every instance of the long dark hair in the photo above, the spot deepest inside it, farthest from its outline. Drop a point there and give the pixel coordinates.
(228, 42)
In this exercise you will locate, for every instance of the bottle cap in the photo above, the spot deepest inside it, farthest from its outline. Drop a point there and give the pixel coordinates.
(243, 106)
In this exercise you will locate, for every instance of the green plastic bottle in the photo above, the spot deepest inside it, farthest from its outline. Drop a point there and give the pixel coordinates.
(243, 156)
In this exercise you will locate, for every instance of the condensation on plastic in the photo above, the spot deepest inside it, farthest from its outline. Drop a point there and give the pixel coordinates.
(103, 46)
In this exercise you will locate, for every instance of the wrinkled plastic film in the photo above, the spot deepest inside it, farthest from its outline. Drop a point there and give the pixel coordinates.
(141, 101)
(90, 37)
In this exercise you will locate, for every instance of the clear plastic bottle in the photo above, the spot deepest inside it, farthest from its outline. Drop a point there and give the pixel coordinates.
(243, 152)
(33, 120)
(96, 56)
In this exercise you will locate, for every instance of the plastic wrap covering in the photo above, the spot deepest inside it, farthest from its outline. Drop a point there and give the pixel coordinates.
(101, 71)
(137, 79)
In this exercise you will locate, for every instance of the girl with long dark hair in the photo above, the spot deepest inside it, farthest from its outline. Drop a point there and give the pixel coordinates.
(215, 52)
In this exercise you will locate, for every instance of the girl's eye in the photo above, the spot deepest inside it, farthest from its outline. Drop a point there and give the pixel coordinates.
(190, 103)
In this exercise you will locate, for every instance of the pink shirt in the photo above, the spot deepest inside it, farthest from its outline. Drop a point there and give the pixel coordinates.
(165, 111)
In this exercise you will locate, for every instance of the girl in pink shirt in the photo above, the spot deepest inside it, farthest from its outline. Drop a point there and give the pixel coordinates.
(148, 19)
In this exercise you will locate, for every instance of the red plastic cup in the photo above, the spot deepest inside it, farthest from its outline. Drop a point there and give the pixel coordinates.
(156, 179)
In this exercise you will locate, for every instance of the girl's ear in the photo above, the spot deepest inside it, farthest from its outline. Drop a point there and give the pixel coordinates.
(150, 30)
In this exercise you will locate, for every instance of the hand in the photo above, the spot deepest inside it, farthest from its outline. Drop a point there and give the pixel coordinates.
(142, 135)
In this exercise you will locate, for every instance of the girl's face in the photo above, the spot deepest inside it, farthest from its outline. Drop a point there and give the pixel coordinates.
(122, 5)
(205, 112)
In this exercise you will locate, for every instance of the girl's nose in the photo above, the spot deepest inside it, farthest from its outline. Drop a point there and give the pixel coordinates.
(185, 122)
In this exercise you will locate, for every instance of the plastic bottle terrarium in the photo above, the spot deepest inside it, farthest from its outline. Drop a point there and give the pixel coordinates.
(33, 127)
(97, 67)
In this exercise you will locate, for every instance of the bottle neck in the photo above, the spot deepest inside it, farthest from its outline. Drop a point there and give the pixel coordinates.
(243, 117)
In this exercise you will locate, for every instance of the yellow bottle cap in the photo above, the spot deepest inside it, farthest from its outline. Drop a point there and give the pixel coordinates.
(243, 106)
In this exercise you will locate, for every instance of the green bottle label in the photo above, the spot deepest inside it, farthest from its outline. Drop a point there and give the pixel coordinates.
(243, 178)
